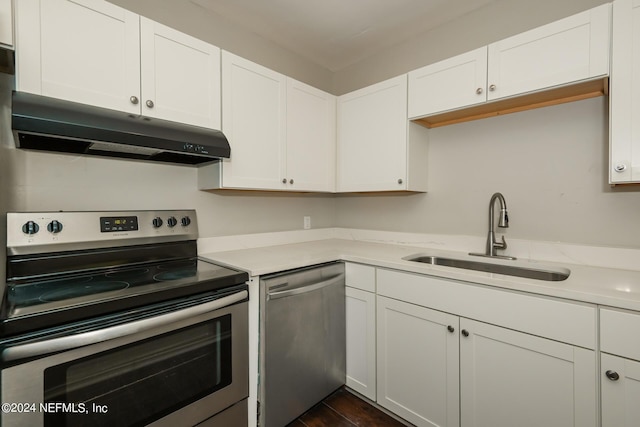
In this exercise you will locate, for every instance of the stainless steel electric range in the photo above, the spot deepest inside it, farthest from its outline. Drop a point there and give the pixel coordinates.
(110, 318)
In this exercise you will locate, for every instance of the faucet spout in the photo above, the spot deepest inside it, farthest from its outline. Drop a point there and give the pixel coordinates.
(503, 222)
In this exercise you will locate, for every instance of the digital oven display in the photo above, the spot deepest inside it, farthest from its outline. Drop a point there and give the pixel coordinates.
(109, 224)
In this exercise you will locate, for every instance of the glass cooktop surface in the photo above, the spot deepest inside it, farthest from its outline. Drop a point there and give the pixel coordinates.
(172, 278)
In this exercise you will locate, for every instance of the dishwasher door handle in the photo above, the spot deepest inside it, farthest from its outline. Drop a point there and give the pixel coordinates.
(306, 288)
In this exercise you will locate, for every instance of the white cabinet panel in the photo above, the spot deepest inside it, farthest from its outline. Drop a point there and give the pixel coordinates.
(360, 276)
(559, 62)
(375, 150)
(616, 329)
(253, 105)
(418, 363)
(86, 51)
(625, 93)
(6, 23)
(453, 83)
(180, 76)
(513, 379)
(96, 53)
(563, 320)
(571, 49)
(311, 138)
(621, 396)
(361, 341)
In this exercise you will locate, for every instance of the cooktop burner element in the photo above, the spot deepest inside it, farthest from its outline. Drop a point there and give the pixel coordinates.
(90, 288)
(94, 263)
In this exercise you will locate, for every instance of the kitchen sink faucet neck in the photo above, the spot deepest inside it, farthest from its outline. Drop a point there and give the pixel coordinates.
(503, 222)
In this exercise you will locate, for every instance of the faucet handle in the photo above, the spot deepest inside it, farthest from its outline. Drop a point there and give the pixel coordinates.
(500, 245)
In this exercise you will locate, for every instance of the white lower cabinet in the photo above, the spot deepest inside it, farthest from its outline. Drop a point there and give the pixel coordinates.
(509, 378)
(620, 367)
(620, 391)
(361, 341)
(361, 328)
(418, 363)
(437, 367)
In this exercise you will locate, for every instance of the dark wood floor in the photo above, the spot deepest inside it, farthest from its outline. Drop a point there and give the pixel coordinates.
(343, 409)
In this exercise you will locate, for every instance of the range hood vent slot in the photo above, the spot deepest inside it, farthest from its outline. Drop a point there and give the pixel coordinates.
(50, 124)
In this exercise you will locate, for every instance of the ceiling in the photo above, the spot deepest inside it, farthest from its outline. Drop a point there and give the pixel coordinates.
(337, 33)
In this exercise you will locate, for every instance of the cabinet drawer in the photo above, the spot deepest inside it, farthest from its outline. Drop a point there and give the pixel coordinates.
(619, 333)
(569, 322)
(360, 276)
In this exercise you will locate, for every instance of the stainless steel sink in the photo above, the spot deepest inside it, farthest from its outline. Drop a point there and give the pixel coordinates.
(549, 275)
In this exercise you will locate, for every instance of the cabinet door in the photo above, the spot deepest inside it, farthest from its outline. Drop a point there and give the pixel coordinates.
(453, 83)
(418, 363)
(86, 51)
(6, 23)
(311, 138)
(180, 76)
(620, 397)
(361, 341)
(372, 137)
(513, 379)
(253, 119)
(571, 49)
(625, 93)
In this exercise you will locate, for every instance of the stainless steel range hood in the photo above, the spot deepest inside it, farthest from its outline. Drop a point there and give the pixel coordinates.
(50, 124)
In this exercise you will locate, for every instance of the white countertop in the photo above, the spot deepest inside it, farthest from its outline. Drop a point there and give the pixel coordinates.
(598, 285)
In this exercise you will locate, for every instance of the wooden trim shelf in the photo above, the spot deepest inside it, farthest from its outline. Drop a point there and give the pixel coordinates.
(546, 98)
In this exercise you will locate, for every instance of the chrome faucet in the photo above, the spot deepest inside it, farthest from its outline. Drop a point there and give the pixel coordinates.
(503, 222)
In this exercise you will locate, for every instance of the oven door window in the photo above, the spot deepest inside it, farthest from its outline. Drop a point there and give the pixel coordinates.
(141, 382)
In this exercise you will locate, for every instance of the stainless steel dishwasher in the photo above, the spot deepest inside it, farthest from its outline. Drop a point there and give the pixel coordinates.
(302, 340)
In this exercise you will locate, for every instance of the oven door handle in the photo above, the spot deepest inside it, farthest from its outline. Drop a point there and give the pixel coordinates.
(55, 345)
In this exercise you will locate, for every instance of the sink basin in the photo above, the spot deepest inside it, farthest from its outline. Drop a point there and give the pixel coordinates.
(554, 275)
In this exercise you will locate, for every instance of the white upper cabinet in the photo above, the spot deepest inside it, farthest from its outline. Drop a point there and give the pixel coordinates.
(180, 76)
(6, 23)
(571, 49)
(624, 97)
(311, 138)
(377, 151)
(453, 83)
(253, 119)
(281, 132)
(85, 51)
(96, 53)
(559, 62)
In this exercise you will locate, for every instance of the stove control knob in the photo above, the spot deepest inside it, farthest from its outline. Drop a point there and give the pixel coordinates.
(54, 227)
(172, 221)
(185, 221)
(30, 228)
(157, 222)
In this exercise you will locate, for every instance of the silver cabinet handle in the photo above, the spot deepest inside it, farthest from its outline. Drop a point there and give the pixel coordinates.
(134, 100)
(290, 181)
(620, 167)
(284, 180)
(400, 181)
(492, 88)
(149, 103)
(55, 345)
(479, 91)
(305, 288)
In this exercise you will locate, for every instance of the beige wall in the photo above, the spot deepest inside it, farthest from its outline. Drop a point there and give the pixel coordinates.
(549, 163)
(206, 25)
(34, 181)
(496, 21)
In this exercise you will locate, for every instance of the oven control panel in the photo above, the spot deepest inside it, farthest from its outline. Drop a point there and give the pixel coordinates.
(28, 231)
